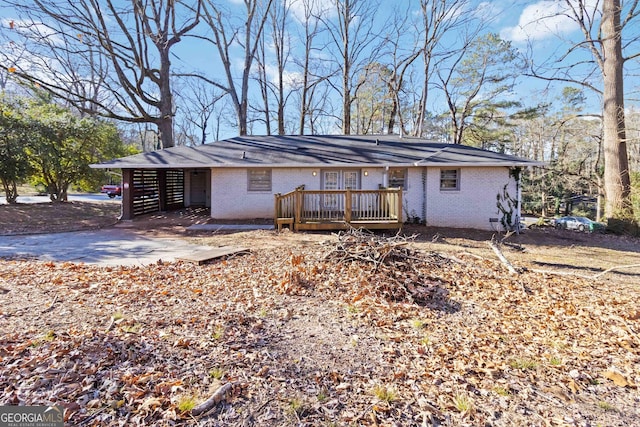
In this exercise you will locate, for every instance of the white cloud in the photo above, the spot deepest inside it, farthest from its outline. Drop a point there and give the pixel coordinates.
(544, 19)
(299, 8)
(32, 29)
(291, 79)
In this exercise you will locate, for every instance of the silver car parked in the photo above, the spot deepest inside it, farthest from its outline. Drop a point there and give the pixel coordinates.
(579, 223)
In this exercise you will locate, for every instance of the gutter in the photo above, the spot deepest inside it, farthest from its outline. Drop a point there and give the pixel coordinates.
(420, 163)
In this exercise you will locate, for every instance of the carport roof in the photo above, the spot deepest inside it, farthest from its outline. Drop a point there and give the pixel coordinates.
(316, 151)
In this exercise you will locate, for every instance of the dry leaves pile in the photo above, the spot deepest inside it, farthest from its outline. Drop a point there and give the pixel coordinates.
(366, 331)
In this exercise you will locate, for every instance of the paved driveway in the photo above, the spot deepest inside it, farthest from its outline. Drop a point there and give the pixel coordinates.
(76, 197)
(102, 247)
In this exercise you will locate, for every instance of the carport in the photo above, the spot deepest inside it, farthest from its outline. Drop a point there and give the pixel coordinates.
(164, 180)
(160, 190)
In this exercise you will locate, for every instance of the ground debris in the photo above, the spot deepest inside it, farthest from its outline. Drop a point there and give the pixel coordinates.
(392, 268)
(311, 335)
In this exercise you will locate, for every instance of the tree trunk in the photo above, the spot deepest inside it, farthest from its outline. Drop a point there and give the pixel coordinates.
(599, 199)
(10, 191)
(165, 129)
(165, 121)
(346, 101)
(617, 182)
(346, 71)
(392, 115)
(280, 103)
(242, 118)
(303, 98)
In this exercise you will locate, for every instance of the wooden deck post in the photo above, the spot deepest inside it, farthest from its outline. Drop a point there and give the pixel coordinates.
(276, 209)
(399, 192)
(297, 208)
(347, 206)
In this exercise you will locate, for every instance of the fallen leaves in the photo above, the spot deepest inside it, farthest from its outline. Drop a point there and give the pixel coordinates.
(618, 379)
(299, 337)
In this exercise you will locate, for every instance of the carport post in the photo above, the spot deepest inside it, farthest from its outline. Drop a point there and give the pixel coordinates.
(162, 190)
(127, 194)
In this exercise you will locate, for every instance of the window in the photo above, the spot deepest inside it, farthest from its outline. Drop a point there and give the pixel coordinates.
(398, 178)
(259, 180)
(449, 179)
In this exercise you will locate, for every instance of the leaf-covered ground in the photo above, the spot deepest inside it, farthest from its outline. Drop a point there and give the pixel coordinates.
(31, 218)
(306, 337)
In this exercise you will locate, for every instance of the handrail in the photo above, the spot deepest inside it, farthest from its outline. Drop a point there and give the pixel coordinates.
(382, 205)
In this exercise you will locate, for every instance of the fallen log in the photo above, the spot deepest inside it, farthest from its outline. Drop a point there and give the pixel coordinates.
(215, 398)
(501, 256)
(617, 267)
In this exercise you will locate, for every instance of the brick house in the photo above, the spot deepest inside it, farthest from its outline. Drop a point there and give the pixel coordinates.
(243, 178)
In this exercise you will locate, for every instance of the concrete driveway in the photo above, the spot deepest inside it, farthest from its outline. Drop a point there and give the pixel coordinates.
(101, 247)
(75, 197)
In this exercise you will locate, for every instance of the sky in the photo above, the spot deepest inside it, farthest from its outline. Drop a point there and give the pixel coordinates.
(536, 26)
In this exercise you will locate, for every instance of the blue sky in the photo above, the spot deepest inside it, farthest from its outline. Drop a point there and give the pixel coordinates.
(535, 25)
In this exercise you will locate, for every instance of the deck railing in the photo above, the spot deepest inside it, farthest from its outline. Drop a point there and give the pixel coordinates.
(309, 209)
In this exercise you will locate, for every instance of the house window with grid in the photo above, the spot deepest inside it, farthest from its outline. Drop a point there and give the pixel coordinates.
(259, 180)
(398, 178)
(449, 179)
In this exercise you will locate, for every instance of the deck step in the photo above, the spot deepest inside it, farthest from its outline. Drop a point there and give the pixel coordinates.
(201, 257)
(280, 222)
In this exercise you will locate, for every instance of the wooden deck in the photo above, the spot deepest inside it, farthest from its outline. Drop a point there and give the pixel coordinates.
(339, 209)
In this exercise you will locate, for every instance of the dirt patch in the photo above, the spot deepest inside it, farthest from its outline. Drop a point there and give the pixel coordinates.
(35, 218)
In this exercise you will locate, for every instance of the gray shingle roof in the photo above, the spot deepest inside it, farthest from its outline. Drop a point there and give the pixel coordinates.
(317, 151)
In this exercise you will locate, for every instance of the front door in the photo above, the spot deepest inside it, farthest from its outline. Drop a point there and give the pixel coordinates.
(338, 180)
(341, 180)
(198, 188)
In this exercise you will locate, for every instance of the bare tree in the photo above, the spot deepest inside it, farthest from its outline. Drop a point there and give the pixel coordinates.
(263, 83)
(247, 35)
(274, 48)
(617, 180)
(313, 73)
(196, 105)
(402, 53)
(610, 35)
(374, 101)
(279, 17)
(351, 31)
(439, 19)
(106, 57)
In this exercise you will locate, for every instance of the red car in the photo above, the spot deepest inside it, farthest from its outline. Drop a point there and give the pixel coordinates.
(111, 190)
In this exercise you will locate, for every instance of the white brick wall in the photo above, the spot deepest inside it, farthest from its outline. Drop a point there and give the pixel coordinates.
(230, 198)
(471, 206)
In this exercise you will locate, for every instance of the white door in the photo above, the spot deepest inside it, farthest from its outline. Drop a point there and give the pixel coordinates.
(350, 180)
(339, 180)
(331, 181)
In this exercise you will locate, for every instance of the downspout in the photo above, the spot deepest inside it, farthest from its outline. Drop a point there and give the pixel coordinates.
(424, 195)
(518, 177)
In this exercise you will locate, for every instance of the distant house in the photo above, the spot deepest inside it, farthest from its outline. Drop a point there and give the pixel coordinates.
(239, 178)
